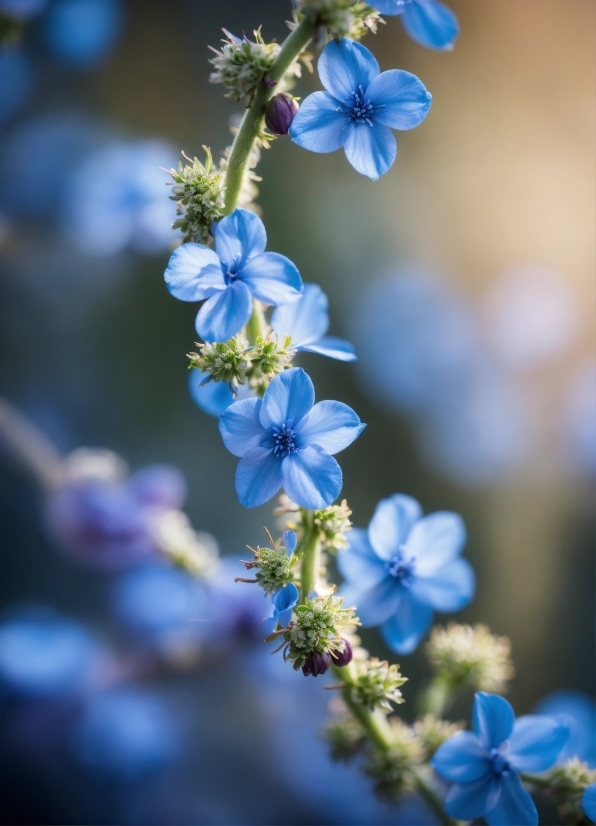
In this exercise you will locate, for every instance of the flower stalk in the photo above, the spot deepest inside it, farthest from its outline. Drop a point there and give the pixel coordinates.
(309, 551)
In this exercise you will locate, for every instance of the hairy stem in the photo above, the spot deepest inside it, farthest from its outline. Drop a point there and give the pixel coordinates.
(28, 445)
(250, 127)
(256, 324)
(309, 551)
(437, 697)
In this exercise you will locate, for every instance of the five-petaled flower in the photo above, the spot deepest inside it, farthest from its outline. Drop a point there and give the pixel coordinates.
(229, 278)
(484, 765)
(284, 439)
(359, 108)
(428, 22)
(307, 322)
(403, 568)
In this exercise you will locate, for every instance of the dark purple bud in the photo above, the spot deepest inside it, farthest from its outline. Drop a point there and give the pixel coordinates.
(279, 114)
(316, 664)
(343, 657)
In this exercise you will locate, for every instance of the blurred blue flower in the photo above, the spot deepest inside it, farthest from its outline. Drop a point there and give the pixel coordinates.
(22, 9)
(285, 439)
(359, 108)
(577, 711)
(484, 766)
(283, 602)
(45, 655)
(82, 32)
(307, 322)
(589, 802)
(404, 567)
(428, 22)
(116, 200)
(231, 276)
(215, 396)
(16, 82)
(127, 732)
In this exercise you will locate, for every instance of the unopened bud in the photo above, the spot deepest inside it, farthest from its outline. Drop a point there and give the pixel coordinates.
(280, 113)
(316, 664)
(343, 656)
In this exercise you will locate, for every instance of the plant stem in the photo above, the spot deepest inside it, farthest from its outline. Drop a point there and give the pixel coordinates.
(256, 324)
(309, 551)
(437, 697)
(251, 122)
(28, 445)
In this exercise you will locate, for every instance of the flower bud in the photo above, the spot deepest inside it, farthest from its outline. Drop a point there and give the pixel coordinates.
(343, 656)
(280, 113)
(316, 664)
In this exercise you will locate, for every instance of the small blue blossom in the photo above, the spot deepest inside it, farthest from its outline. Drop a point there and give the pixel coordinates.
(229, 278)
(307, 322)
(82, 32)
(359, 108)
(428, 22)
(578, 712)
(284, 439)
(215, 396)
(404, 567)
(283, 602)
(483, 766)
(589, 802)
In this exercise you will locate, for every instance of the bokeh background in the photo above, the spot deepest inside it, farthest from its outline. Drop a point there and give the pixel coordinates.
(465, 279)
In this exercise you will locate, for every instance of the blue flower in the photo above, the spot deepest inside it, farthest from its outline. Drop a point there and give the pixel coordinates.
(405, 567)
(589, 802)
(285, 439)
(359, 108)
(484, 766)
(307, 321)
(231, 276)
(283, 601)
(578, 712)
(82, 32)
(428, 22)
(215, 396)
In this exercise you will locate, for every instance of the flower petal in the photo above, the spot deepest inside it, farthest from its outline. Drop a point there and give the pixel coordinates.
(411, 621)
(333, 348)
(436, 540)
(258, 477)
(286, 597)
(344, 66)
(330, 425)
(319, 124)
(375, 604)
(449, 589)
(272, 278)
(213, 397)
(311, 477)
(240, 427)
(238, 237)
(288, 398)
(391, 524)
(358, 563)
(402, 99)
(589, 802)
(224, 314)
(390, 7)
(305, 320)
(371, 149)
(467, 801)
(493, 719)
(431, 24)
(514, 807)
(536, 742)
(462, 758)
(194, 273)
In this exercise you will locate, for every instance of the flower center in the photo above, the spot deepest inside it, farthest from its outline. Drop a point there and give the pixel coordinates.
(360, 110)
(500, 762)
(285, 441)
(400, 567)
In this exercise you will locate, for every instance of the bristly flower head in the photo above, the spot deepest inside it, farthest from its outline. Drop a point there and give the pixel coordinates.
(334, 523)
(317, 630)
(432, 732)
(428, 22)
(345, 737)
(567, 785)
(229, 277)
(376, 684)
(392, 769)
(359, 108)
(199, 192)
(472, 656)
(222, 361)
(340, 18)
(274, 564)
(272, 355)
(285, 439)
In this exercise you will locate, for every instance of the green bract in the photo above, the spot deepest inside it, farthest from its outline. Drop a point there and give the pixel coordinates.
(376, 684)
(199, 191)
(317, 628)
(341, 18)
(224, 361)
(274, 567)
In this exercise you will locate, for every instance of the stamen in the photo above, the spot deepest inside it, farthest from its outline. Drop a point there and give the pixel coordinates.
(285, 441)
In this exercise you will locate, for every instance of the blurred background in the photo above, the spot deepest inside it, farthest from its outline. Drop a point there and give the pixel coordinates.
(465, 280)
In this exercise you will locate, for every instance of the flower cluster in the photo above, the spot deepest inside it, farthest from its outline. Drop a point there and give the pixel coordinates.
(198, 190)
(567, 786)
(315, 636)
(274, 564)
(392, 769)
(375, 684)
(340, 18)
(345, 737)
(432, 732)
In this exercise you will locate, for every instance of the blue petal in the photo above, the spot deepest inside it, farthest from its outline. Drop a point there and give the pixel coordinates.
(330, 425)
(402, 99)
(319, 125)
(194, 273)
(371, 149)
(238, 237)
(436, 540)
(272, 278)
(258, 477)
(589, 802)
(405, 629)
(390, 7)
(269, 625)
(577, 711)
(213, 397)
(493, 719)
(462, 758)
(514, 807)
(536, 742)
(286, 597)
(467, 801)
(311, 477)
(391, 524)
(358, 563)
(288, 398)
(333, 348)
(240, 427)
(344, 66)
(289, 540)
(305, 320)
(431, 24)
(224, 314)
(285, 617)
(375, 604)
(449, 589)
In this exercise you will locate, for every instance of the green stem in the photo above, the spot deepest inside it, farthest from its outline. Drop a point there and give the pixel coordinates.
(250, 127)
(437, 697)
(309, 552)
(256, 324)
